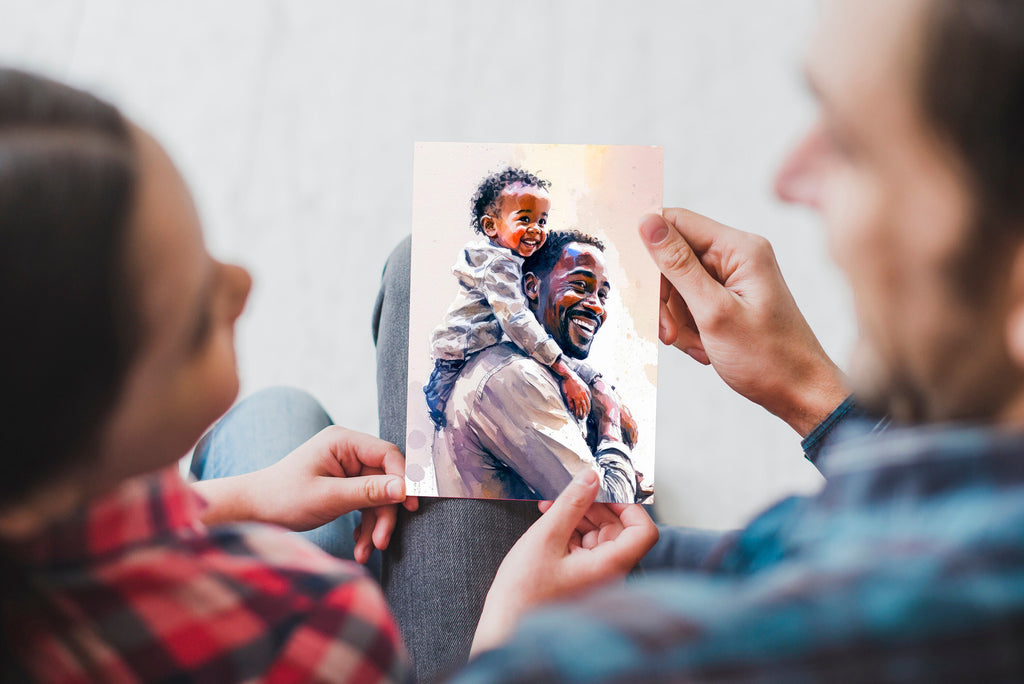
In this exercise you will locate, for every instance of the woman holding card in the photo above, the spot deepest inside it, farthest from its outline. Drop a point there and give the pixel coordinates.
(119, 348)
(120, 353)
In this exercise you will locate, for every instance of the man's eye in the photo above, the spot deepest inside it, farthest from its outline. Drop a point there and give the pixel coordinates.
(579, 286)
(524, 219)
(542, 222)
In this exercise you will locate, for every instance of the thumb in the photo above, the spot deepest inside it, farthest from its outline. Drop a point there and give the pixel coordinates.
(364, 491)
(572, 504)
(676, 259)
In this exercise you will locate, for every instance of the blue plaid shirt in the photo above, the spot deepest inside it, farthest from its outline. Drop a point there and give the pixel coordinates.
(909, 565)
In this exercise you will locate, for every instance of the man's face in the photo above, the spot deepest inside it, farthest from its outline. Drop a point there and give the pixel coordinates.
(898, 212)
(570, 301)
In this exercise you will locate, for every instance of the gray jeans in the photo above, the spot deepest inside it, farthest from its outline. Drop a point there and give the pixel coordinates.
(443, 557)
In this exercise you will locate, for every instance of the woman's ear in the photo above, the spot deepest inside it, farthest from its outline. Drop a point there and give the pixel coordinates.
(531, 285)
(489, 226)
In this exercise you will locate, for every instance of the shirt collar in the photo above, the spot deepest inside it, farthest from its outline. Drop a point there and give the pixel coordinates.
(139, 510)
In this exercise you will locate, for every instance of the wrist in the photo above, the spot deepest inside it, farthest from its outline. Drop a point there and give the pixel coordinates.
(560, 368)
(228, 499)
(811, 400)
(494, 627)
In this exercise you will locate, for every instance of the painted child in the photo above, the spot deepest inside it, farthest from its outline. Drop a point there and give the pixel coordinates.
(510, 208)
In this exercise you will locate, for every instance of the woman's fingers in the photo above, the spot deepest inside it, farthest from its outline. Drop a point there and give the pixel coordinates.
(364, 540)
(386, 517)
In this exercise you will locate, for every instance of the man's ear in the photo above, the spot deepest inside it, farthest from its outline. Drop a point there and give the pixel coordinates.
(488, 224)
(531, 286)
(1015, 316)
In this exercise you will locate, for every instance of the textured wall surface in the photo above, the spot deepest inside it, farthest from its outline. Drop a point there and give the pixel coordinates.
(294, 124)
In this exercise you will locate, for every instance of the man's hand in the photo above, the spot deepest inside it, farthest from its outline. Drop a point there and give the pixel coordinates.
(335, 472)
(724, 302)
(575, 546)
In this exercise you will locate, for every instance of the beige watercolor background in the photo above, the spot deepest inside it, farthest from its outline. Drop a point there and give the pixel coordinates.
(601, 190)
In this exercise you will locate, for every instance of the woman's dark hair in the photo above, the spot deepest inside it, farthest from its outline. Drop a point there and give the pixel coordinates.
(487, 193)
(67, 189)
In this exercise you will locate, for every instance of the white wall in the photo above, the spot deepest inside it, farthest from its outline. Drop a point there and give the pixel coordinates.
(294, 123)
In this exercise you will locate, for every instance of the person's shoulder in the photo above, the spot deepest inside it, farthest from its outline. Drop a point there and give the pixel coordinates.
(508, 366)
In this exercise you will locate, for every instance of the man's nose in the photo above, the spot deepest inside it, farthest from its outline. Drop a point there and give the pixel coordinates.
(798, 180)
(594, 305)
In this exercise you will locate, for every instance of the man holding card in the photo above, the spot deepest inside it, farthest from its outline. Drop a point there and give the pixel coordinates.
(909, 565)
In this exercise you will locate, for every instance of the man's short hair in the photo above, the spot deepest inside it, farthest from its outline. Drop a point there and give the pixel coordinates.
(972, 93)
(544, 259)
(486, 197)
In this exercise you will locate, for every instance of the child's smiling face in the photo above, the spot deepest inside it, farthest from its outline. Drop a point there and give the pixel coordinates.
(519, 219)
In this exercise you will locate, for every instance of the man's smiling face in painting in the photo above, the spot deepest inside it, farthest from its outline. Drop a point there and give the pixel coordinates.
(569, 300)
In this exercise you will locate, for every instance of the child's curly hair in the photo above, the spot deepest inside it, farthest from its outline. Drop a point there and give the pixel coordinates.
(490, 190)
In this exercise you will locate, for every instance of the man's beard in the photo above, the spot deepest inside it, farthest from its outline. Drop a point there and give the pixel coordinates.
(882, 390)
(571, 349)
(969, 377)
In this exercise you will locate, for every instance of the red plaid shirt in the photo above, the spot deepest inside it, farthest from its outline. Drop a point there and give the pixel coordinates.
(135, 588)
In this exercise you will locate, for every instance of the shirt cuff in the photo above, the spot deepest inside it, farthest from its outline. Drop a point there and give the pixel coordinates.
(586, 372)
(607, 445)
(815, 440)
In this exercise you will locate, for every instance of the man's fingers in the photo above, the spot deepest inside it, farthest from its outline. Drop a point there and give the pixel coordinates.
(561, 519)
(667, 329)
(679, 263)
(638, 535)
(600, 515)
(698, 230)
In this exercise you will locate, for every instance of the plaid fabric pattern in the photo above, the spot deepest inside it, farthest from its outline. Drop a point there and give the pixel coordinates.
(135, 588)
(908, 566)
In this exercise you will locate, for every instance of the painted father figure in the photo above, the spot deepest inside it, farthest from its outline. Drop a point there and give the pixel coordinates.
(509, 433)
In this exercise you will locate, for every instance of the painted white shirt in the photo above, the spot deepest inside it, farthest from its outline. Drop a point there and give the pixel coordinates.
(510, 436)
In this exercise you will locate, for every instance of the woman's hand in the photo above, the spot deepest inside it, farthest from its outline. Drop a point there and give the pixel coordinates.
(335, 472)
(725, 303)
(575, 546)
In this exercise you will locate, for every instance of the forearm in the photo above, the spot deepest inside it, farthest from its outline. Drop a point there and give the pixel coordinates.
(228, 499)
